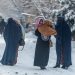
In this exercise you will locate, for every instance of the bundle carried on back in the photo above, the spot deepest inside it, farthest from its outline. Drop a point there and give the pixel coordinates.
(47, 29)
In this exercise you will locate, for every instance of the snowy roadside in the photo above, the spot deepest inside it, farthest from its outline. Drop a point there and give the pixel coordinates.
(26, 59)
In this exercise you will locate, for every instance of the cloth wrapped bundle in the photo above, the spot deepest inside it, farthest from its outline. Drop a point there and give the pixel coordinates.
(47, 29)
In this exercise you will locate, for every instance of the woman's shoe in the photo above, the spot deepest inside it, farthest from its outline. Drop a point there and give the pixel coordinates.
(42, 68)
(56, 66)
(64, 67)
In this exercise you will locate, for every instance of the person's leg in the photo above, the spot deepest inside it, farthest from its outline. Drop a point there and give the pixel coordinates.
(58, 53)
(67, 55)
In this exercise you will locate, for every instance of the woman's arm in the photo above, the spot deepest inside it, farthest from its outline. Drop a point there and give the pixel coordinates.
(37, 33)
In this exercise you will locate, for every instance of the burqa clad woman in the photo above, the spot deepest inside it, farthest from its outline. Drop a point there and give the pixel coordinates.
(63, 44)
(42, 49)
(12, 35)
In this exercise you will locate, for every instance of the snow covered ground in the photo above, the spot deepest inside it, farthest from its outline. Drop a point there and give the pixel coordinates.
(25, 66)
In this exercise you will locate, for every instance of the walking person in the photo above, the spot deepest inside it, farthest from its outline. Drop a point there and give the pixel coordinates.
(63, 44)
(12, 35)
(42, 47)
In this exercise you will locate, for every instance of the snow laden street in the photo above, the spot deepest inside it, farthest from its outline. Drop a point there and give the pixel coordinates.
(25, 66)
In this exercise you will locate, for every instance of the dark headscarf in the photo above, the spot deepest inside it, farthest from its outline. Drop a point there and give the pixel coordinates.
(11, 21)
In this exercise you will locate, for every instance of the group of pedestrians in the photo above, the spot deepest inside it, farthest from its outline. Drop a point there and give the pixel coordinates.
(13, 34)
(63, 45)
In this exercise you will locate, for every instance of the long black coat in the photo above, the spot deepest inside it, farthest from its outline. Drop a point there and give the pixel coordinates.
(41, 51)
(63, 42)
(12, 35)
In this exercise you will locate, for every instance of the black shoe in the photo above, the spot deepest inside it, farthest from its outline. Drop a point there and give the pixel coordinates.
(42, 68)
(56, 66)
(64, 67)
